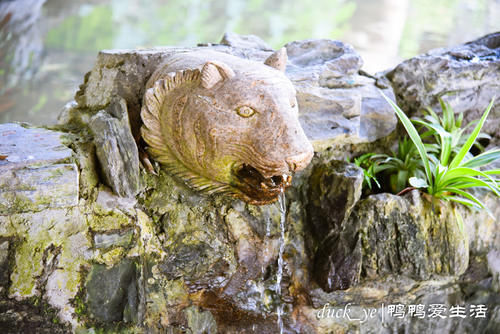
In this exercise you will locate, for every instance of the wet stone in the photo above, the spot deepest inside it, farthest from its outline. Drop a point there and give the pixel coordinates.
(200, 321)
(35, 170)
(335, 187)
(392, 235)
(469, 77)
(111, 291)
(35, 189)
(493, 259)
(107, 240)
(22, 147)
(116, 149)
(4, 265)
(244, 42)
(337, 105)
(23, 317)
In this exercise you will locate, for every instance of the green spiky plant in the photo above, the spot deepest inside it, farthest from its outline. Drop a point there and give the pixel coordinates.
(400, 166)
(449, 177)
(369, 167)
(446, 127)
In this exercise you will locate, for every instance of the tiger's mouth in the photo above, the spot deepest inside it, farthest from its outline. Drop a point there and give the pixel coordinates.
(257, 189)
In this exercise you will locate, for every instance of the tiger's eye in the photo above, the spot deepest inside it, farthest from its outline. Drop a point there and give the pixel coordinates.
(245, 111)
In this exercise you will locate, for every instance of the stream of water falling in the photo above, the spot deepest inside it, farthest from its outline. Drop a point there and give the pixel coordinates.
(279, 275)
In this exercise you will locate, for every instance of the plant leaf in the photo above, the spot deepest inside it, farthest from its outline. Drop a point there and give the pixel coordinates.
(457, 160)
(464, 194)
(461, 172)
(467, 182)
(464, 201)
(417, 182)
(414, 136)
(482, 159)
(492, 172)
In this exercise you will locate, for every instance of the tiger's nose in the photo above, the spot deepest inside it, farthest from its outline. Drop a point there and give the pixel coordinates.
(300, 161)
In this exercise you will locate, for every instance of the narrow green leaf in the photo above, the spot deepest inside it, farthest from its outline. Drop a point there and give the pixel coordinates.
(492, 172)
(414, 136)
(402, 176)
(459, 172)
(471, 182)
(459, 120)
(483, 159)
(464, 194)
(457, 160)
(445, 137)
(464, 201)
(445, 112)
(432, 113)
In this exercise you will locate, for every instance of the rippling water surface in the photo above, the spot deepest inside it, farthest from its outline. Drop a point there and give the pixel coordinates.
(46, 46)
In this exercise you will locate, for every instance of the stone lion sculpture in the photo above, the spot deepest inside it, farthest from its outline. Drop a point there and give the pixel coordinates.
(224, 124)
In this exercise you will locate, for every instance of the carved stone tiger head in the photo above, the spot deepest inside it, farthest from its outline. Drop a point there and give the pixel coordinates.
(225, 124)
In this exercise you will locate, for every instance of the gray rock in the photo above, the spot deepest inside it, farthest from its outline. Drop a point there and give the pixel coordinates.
(466, 76)
(483, 228)
(198, 263)
(334, 189)
(4, 251)
(338, 106)
(24, 317)
(431, 295)
(387, 235)
(494, 323)
(338, 261)
(118, 73)
(116, 149)
(493, 258)
(35, 189)
(200, 321)
(4, 265)
(23, 146)
(108, 291)
(35, 170)
(110, 202)
(244, 42)
(107, 240)
(45, 242)
(332, 64)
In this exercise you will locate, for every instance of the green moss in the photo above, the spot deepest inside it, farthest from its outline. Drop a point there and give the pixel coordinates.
(13, 202)
(80, 307)
(104, 219)
(78, 302)
(37, 233)
(176, 291)
(87, 165)
(111, 257)
(28, 258)
(16, 201)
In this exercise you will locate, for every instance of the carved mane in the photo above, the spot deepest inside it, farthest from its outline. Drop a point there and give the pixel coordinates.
(155, 135)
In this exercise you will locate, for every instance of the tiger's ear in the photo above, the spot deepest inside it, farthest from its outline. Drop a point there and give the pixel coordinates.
(214, 72)
(277, 60)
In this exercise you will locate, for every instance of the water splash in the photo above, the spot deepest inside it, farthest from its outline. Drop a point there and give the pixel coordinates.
(279, 275)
